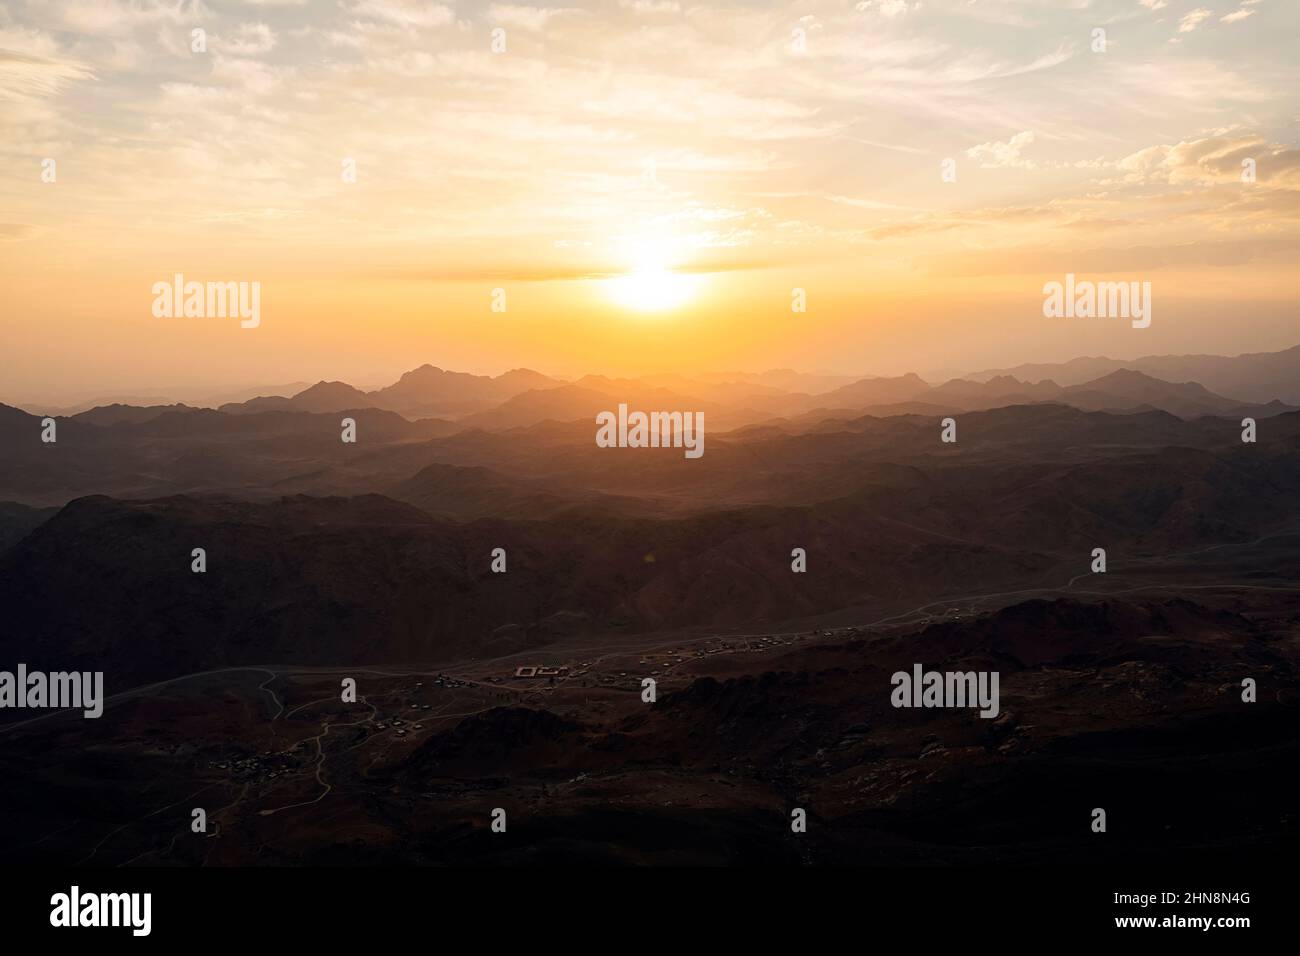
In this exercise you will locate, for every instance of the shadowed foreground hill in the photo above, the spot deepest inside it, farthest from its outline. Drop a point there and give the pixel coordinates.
(1131, 706)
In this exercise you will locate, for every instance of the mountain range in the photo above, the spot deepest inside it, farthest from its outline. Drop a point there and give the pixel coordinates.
(1250, 377)
(1255, 385)
(888, 514)
(520, 685)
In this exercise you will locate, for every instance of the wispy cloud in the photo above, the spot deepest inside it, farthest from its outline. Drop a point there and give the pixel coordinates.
(1193, 18)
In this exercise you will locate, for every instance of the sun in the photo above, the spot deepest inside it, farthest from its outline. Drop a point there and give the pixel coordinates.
(652, 285)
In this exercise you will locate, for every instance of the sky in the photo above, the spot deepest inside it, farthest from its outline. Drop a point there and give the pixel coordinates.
(636, 186)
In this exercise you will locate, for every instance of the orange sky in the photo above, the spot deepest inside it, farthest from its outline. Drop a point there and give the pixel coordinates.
(713, 156)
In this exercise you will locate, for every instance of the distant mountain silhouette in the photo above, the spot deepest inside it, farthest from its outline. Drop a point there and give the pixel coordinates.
(875, 391)
(1260, 385)
(424, 392)
(1252, 377)
(321, 397)
(429, 390)
(540, 441)
(593, 394)
(134, 414)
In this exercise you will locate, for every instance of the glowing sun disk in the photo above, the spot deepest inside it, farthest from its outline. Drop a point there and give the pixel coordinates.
(652, 288)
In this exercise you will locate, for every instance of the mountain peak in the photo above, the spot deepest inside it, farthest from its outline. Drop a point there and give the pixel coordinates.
(323, 386)
(423, 371)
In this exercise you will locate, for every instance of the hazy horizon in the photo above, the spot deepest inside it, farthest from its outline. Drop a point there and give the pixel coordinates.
(211, 392)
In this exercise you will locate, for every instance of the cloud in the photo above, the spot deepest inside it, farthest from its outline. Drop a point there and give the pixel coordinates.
(991, 155)
(492, 157)
(121, 17)
(1214, 159)
(525, 18)
(1113, 261)
(651, 6)
(250, 39)
(1010, 216)
(888, 8)
(1047, 60)
(1193, 19)
(36, 43)
(406, 13)
(22, 75)
(1237, 16)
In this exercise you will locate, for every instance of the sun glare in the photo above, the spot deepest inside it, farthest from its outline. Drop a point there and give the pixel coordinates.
(651, 285)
